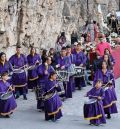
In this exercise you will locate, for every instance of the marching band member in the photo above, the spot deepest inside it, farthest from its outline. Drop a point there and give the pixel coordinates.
(80, 60)
(109, 102)
(52, 101)
(95, 112)
(19, 79)
(43, 71)
(63, 63)
(4, 65)
(71, 57)
(33, 59)
(8, 106)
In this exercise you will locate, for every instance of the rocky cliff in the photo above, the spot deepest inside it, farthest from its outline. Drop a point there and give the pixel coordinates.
(41, 21)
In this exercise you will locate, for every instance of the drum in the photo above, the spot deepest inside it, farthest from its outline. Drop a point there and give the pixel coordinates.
(60, 89)
(6, 96)
(90, 108)
(62, 75)
(18, 71)
(90, 101)
(39, 92)
(71, 70)
(79, 72)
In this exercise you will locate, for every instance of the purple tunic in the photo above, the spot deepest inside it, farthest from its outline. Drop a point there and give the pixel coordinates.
(32, 73)
(94, 111)
(109, 102)
(53, 104)
(6, 68)
(80, 58)
(19, 79)
(64, 61)
(9, 105)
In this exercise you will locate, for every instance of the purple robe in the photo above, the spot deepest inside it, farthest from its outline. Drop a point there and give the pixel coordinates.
(41, 83)
(66, 61)
(6, 106)
(19, 80)
(52, 104)
(94, 111)
(80, 58)
(32, 73)
(109, 102)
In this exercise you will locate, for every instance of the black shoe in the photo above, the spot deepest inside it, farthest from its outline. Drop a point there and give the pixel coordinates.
(7, 116)
(24, 97)
(17, 96)
(89, 83)
(108, 116)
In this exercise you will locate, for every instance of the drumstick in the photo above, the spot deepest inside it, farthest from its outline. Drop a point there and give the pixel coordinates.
(93, 96)
(107, 84)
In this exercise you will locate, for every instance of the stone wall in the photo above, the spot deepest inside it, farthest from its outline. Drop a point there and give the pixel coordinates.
(41, 21)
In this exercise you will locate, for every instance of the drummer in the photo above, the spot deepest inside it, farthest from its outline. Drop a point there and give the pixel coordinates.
(43, 71)
(95, 113)
(4, 64)
(19, 80)
(109, 102)
(63, 64)
(71, 69)
(33, 59)
(8, 106)
(52, 102)
(80, 60)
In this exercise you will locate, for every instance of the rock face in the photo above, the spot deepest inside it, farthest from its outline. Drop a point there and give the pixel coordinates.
(41, 21)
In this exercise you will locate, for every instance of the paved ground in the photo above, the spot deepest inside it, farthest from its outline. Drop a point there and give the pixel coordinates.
(27, 117)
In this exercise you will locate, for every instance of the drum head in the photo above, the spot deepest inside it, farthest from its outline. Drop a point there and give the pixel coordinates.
(6, 96)
(90, 101)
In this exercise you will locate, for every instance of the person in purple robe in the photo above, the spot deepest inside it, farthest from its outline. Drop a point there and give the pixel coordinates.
(63, 64)
(5, 65)
(43, 72)
(52, 101)
(71, 68)
(8, 105)
(80, 60)
(109, 102)
(94, 111)
(33, 60)
(19, 78)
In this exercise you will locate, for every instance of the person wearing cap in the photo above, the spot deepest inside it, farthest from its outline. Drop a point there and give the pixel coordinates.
(33, 59)
(19, 79)
(5, 65)
(7, 106)
(100, 48)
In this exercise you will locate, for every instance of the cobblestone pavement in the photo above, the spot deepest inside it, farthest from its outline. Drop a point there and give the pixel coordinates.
(27, 117)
